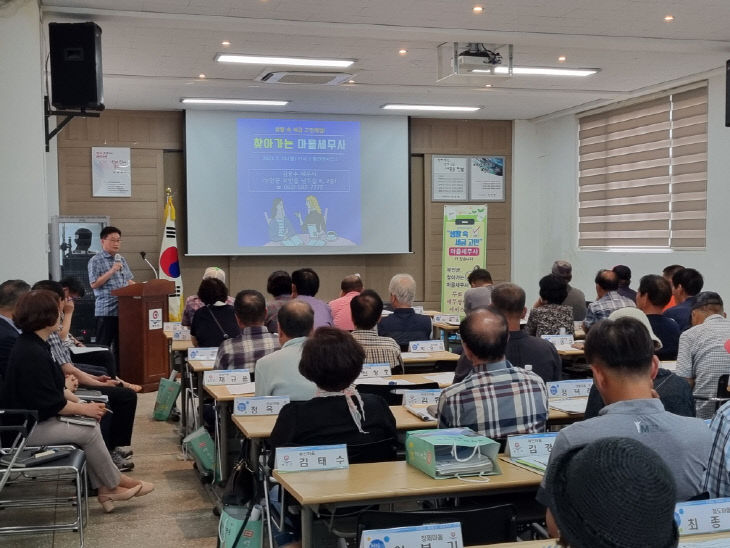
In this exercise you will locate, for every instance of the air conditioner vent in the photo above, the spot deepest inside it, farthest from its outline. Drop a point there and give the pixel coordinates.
(304, 77)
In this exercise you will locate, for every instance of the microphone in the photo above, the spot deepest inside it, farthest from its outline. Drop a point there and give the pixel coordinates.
(117, 258)
(143, 254)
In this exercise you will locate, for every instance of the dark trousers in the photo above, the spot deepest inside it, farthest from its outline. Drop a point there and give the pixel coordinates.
(101, 358)
(123, 403)
(107, 334)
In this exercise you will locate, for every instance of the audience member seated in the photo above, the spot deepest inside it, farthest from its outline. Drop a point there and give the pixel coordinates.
(193, 302)
(117, 427)
(216, 321)
(278, 373)
(686, 284)
(653, 295)
(332, 360)
(350, 287)
(621, 354)
(667, 274)
(10, 292)
(548, 316)
(717, 478)
(607, 300)
(613, 493)
(624, 281)
(305, 284)
(366, 309)
(480, 293)
(278, 286)
(703, 349)
(495, 399)
(404, 325)
(675, 393)
(522, 349)
(575, 299)
(35, 382)
(255, 341)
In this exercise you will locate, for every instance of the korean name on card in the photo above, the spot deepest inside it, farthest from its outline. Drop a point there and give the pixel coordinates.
(703, 516)
(171, 326)
(315, 457)
(202, 353)
(259, 405)
(226, 376)
(531, 445)
(421, 397)
(370, 370)
(559, 340)
(418, 309)
(446, 318)
(426, 346)
(576, 388)
(438, 535)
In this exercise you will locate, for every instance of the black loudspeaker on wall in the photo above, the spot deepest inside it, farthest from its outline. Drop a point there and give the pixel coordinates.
(76, 75)
(727, 94)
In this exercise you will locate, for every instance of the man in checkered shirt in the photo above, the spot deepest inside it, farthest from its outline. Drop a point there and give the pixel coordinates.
(366, 309)
(255, 341)
(495, 399)
(704, 349)
(608, 299)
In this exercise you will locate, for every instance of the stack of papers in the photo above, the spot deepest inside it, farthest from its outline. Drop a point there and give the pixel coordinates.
(415, 355)
(238, 389)
(574, 405)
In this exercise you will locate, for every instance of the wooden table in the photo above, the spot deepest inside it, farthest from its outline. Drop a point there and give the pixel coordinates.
(387, 482)
(223, 400)
(430, 357)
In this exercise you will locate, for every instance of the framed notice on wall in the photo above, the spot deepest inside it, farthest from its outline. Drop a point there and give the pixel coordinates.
(467, 179)
(111, 172)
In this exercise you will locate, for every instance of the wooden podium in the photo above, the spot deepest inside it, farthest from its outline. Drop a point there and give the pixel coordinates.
(143, 351)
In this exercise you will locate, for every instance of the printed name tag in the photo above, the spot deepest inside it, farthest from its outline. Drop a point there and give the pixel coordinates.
(370, 370)
(260, 405)
(202, 353)
(446, 318)
(559, 340)
(226, 377)
(171, 326)
(439, 535)
(531, 445)
(577, 388)
(421, 397)
(426, 346)
(418, 309)
(315, 457)
(703, 516)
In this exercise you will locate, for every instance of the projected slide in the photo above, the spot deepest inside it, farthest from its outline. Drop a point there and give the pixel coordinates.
(298, 183)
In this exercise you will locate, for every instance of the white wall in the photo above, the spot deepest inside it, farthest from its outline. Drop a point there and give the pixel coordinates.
(23, 202)
(545, 208)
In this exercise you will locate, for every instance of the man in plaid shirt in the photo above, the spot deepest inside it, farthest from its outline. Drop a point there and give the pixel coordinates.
(608, 300)
(255, 341)
(366, 309)
(495, 399)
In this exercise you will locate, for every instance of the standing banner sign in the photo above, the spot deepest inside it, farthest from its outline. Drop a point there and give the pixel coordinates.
(464, 248)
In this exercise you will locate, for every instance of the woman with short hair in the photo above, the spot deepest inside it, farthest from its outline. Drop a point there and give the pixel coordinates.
(549, 316)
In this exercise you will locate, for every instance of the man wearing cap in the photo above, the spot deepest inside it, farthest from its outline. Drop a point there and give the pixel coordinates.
(193, 302)
(576, 299)
(621, 354)
(686, 284)
(624, 280)
(608, 298)
(350, 287)
(704, 349)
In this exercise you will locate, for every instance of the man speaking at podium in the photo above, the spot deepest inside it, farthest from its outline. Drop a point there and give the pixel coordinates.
(108, 271)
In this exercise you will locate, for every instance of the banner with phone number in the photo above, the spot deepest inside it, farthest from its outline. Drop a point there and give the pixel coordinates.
(464, 249)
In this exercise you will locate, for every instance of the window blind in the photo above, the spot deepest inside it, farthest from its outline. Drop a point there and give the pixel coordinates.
(642, 174)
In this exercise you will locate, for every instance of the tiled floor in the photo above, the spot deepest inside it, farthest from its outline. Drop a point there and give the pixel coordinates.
(177, 514)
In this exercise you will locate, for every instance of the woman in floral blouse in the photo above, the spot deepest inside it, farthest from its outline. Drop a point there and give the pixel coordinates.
(548, 316)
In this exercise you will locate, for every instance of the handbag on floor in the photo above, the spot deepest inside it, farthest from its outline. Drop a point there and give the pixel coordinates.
(167, 395)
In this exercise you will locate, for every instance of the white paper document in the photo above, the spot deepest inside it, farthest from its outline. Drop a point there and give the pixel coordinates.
(415, 355)
(443, 379)
(85, 349)
(382, 380)
(238, 389)
(573, 405)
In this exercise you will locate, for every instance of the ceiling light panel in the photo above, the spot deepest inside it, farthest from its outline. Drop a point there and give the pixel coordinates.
(286, 61)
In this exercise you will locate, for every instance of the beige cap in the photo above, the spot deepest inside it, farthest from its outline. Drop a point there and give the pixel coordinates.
(215, 272)
(631, 312)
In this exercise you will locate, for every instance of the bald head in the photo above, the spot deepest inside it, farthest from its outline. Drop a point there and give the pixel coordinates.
(351, 283)
(296, 319)
(484, 334)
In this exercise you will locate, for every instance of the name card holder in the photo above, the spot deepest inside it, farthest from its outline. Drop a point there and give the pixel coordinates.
(439, 535)
(313, 457)
(447, 318)
(426, 346)
(576, 388)
(559, 340)
(259, 405)
(371, 370)
(202, 353)
(418, 309)
(171, 326)
(181, 334)
(421, 397)
(703, 516)
(226, 377)
(531, 445)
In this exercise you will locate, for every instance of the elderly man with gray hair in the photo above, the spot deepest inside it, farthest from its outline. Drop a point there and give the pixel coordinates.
(404, 325)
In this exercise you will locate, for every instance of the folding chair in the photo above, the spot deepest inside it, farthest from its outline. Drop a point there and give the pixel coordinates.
(15, 427)
(721, 396)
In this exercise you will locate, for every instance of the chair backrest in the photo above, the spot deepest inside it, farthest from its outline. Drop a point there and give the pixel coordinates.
(478, 525)
(393, 394)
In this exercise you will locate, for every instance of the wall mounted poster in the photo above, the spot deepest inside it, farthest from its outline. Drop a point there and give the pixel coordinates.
(111, 172)
(467, 179)
(449, 179)
(464, 248)
(486, 181)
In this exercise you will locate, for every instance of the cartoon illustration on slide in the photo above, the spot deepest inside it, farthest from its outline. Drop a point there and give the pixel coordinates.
(314, 223)
(281, 229)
